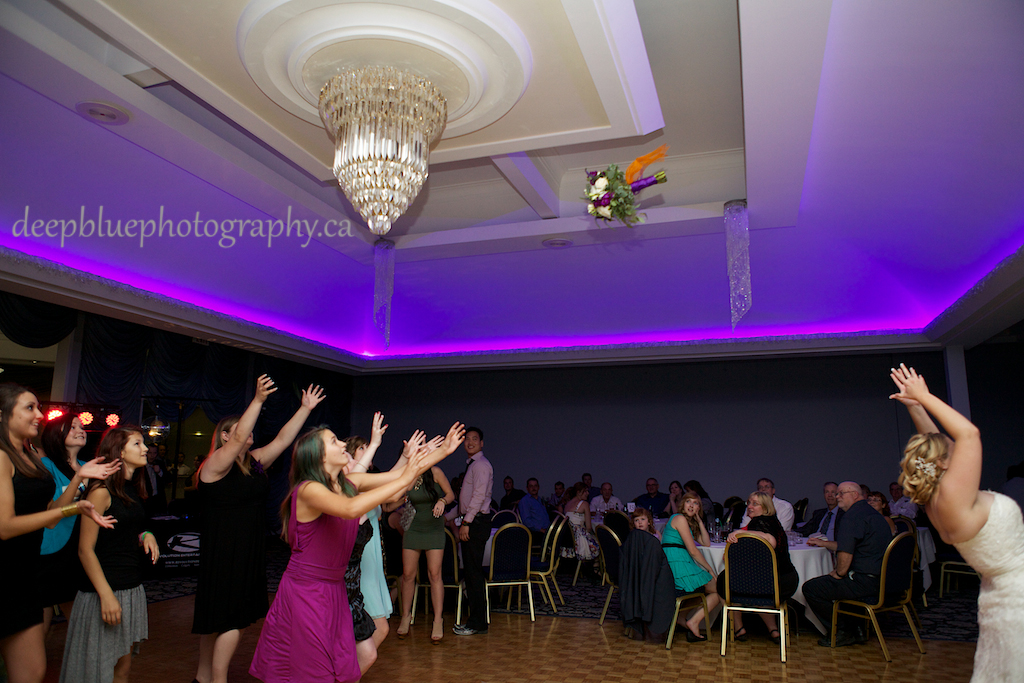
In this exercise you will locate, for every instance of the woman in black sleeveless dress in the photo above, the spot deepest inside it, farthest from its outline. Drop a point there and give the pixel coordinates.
(233, 487)
(26, 507)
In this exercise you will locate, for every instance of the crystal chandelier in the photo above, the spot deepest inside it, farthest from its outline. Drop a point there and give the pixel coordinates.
(382, 121)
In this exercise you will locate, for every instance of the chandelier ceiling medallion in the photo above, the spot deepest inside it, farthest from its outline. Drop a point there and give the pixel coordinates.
(382, 121)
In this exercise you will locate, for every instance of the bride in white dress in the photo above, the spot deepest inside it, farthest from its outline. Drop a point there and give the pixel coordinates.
(986, 527)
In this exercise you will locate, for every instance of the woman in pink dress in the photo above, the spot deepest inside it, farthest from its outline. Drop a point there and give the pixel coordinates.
(307, 635)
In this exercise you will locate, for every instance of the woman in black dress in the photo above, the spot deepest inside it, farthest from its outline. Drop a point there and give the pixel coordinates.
(111, 617)
(26, 506)
(765, 524)
(233, 486)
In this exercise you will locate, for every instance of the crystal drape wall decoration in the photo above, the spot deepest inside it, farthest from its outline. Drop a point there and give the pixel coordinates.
(737, 247)
(383, 286)
(382, 121)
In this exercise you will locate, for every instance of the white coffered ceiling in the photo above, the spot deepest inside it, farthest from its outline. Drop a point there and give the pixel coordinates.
(878, 145)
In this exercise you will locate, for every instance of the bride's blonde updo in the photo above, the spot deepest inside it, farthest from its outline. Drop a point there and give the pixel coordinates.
(922, 465)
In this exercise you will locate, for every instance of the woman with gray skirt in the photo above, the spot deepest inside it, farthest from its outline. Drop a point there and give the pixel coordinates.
(110, 619)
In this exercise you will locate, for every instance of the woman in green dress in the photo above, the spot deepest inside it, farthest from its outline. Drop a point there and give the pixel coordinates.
(429, 495)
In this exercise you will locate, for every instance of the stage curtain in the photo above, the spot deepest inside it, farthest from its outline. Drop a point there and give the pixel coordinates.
(32, 323)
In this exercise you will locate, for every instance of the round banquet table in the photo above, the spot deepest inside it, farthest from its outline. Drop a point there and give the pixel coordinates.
(808, 560)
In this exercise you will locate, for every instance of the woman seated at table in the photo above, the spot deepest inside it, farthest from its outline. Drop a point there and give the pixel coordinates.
(690, 569)
(764, 523)
(876, 499)
(577, 511)
(705, 500)
(675, 499)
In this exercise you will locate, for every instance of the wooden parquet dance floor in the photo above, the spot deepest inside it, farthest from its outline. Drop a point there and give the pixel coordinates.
(560, 649)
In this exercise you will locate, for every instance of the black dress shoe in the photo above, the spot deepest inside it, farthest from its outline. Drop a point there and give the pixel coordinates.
(843, 638)
(690, 638)
(741, 635)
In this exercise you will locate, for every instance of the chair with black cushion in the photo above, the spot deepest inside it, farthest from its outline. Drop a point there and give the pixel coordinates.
(503, 517)
(732, 500)
(618, 522)
(904, 524)
(610, 546)
(510, 564)
(799, 510)
(734, 514)
(546, 565)
(752, 585)
(894, 589)
(449, 578)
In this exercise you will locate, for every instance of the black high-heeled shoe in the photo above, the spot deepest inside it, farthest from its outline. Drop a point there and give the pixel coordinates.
(777, 638)
(690, 638)
(741, 634)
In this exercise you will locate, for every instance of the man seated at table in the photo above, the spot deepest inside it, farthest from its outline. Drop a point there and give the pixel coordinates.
(901, 504)
(783, 508)
(606, 501)
(592, 490)
(554, 501)
(512, 495)
(824, 520)
(654, 500)
(532, 511)
(860, 545)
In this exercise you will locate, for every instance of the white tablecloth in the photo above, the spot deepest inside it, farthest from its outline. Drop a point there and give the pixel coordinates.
(809, 562)
(926, 544)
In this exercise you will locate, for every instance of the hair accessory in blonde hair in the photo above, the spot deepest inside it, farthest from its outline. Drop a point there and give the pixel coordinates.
(927, 467)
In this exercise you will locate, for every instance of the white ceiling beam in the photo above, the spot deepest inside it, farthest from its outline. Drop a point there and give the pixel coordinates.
(782, 48)
(529, 181)
(608, 34)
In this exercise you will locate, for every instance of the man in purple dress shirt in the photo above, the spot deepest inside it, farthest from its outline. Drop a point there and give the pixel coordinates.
(475, 508)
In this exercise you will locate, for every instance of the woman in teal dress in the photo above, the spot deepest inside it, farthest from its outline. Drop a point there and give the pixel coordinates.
(373, 583)
(691, 571)
(430, 494)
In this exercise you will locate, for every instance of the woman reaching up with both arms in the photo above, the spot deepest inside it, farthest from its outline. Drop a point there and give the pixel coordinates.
(308, 634)
(944, 475)
(233, 486)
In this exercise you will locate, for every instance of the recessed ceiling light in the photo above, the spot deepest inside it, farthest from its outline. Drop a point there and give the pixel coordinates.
(102, 112)
(557, 243)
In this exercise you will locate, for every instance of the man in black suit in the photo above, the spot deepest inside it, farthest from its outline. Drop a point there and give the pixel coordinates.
(825, 520)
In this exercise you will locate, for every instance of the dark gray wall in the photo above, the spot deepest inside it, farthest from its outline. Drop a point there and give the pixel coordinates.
(800, 421)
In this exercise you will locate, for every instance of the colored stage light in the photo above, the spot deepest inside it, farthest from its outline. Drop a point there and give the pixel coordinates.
(112, 420)
(54, 413)
(85, 417)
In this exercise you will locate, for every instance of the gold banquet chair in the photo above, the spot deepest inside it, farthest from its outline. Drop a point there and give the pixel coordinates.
(511, 549)
(547, 565)
(752, 585)
(894, 590)
(610, 546)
